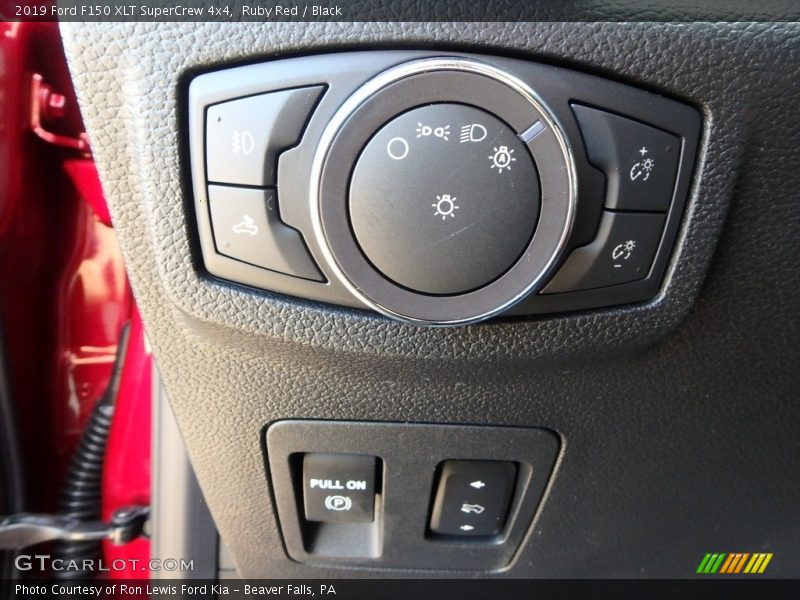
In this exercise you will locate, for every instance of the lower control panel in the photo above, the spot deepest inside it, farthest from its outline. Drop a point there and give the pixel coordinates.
(435, 188)
(358, 494)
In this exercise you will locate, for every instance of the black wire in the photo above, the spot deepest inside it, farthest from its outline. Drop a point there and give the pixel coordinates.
(81, 496)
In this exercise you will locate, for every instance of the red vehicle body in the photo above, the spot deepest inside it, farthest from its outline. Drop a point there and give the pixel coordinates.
(64, 293)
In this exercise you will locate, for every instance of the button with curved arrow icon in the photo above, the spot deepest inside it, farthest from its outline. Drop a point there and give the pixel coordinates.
(473, 497)
(472, 508)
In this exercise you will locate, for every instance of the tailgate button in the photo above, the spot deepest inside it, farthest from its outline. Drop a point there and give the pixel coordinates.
(246, 227)
(473, 497)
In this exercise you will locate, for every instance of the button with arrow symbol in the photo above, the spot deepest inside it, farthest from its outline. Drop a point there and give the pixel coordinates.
(472, 497)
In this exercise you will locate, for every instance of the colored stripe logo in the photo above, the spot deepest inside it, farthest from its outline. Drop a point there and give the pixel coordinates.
(734, 563)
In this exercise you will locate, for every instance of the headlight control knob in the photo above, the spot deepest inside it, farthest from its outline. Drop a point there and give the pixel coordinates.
(444, 199)
(443, 191)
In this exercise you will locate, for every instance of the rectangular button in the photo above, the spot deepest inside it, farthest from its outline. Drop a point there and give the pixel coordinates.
(623, 251)
(473, 497)
(246, 227)
(640, 161)
(245, 136)
(339, 488)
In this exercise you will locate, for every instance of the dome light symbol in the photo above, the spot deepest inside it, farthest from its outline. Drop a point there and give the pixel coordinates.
(642, 168)
(501, 159)
(445, 206)
(623, 251)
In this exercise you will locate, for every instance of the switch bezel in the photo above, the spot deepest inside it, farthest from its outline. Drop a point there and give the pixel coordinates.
(398, 538)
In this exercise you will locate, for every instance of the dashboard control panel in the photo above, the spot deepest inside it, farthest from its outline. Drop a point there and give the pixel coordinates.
(438, 189)
(347, 494)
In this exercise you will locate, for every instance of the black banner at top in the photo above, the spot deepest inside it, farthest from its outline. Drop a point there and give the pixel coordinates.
(224, 11)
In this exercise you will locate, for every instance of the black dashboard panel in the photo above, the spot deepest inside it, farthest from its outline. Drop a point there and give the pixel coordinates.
(679, 416)
(438, 188)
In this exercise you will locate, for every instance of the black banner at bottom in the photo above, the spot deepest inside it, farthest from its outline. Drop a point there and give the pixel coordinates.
(403, 589)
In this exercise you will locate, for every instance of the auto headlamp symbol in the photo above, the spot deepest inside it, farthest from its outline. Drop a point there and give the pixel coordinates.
(338, 503)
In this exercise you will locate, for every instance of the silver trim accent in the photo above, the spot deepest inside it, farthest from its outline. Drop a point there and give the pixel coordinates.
(181, 526)
(381, 81)
(531, 132)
